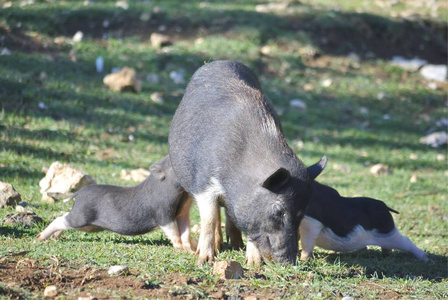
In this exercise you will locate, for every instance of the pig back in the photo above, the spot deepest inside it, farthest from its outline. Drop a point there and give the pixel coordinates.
(224, 127)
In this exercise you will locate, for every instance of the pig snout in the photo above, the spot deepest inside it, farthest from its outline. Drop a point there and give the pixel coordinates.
(279, 248)
(286, 252)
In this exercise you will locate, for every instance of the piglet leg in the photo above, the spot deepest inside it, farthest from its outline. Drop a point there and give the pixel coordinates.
(309, 231)
(401, 242)
(55, 228)
(233, 234)
(183, 224)
(172, 232)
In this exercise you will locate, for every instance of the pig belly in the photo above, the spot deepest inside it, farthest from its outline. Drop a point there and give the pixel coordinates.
(357, 239)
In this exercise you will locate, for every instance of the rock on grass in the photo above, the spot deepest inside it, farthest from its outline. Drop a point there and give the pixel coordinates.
(380, 169)
(228, 270)
(62, 179)
(124, 80)
(51, 291)
(8, 195)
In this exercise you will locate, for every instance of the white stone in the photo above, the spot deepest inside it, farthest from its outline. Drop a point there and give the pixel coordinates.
(157, 97)
(435, 139)
(5, 51)
(177, 77)
(99, 64)
(152, 78)
(78, 37)
(118, 270)
(364, 110)
(408, 64)
(327, 82)
(51, 291)
(122, 4)
(298, 104)
(434, 72)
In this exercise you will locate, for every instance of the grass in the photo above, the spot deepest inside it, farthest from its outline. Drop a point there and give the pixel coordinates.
(371, 113)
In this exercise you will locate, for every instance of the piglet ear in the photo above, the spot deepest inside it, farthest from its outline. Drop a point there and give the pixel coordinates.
(278, 179)
(317, 168)
(157, 171)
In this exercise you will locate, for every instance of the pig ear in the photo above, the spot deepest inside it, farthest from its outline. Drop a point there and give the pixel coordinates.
(157, 171)
(277, 179)
(315, 169)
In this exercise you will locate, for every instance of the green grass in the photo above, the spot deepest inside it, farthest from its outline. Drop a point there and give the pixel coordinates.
(86, 125)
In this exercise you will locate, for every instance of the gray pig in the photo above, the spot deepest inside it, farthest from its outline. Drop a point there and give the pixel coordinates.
(344, 224)
(227, 146)
(158, 201)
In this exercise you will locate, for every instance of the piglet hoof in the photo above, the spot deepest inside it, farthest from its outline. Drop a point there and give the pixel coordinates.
(38, 238)
(306, 257)
(425, 258)
(385, 252)
(193, 245)
(178, 246)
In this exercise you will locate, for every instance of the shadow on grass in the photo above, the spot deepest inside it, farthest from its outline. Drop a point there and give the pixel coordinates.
(397, 265)
(118, 239)
(333, 32)
(13, 232)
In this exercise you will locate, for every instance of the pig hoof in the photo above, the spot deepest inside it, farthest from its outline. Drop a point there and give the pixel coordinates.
(306, 257)
(425, 258)
(38, 238)
(205, 259)
(178, 246)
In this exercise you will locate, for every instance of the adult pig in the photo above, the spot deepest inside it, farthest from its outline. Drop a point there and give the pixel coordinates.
(158, 201)
(226, 145)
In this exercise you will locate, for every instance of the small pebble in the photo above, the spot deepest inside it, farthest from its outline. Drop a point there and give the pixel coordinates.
(51, 291)
(118, 270)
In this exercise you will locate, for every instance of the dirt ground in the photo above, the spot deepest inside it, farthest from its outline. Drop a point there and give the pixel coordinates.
(74, 282)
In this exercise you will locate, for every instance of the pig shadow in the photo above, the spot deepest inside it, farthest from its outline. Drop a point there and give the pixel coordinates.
(396, 265)
(12, 231)
(129, 240)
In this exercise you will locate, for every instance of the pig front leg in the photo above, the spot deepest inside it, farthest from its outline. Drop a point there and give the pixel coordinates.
(54, 229)
(309, 231)
(253, 254)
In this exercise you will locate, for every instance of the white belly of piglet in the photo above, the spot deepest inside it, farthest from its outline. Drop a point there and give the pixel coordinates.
(355, 240)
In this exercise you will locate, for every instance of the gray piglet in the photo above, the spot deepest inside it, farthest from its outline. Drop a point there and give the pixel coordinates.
(158, 201)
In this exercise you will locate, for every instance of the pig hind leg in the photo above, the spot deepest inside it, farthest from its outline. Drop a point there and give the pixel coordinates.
(401, 242)
(55, 228)
(208, 210)
(309, 231)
